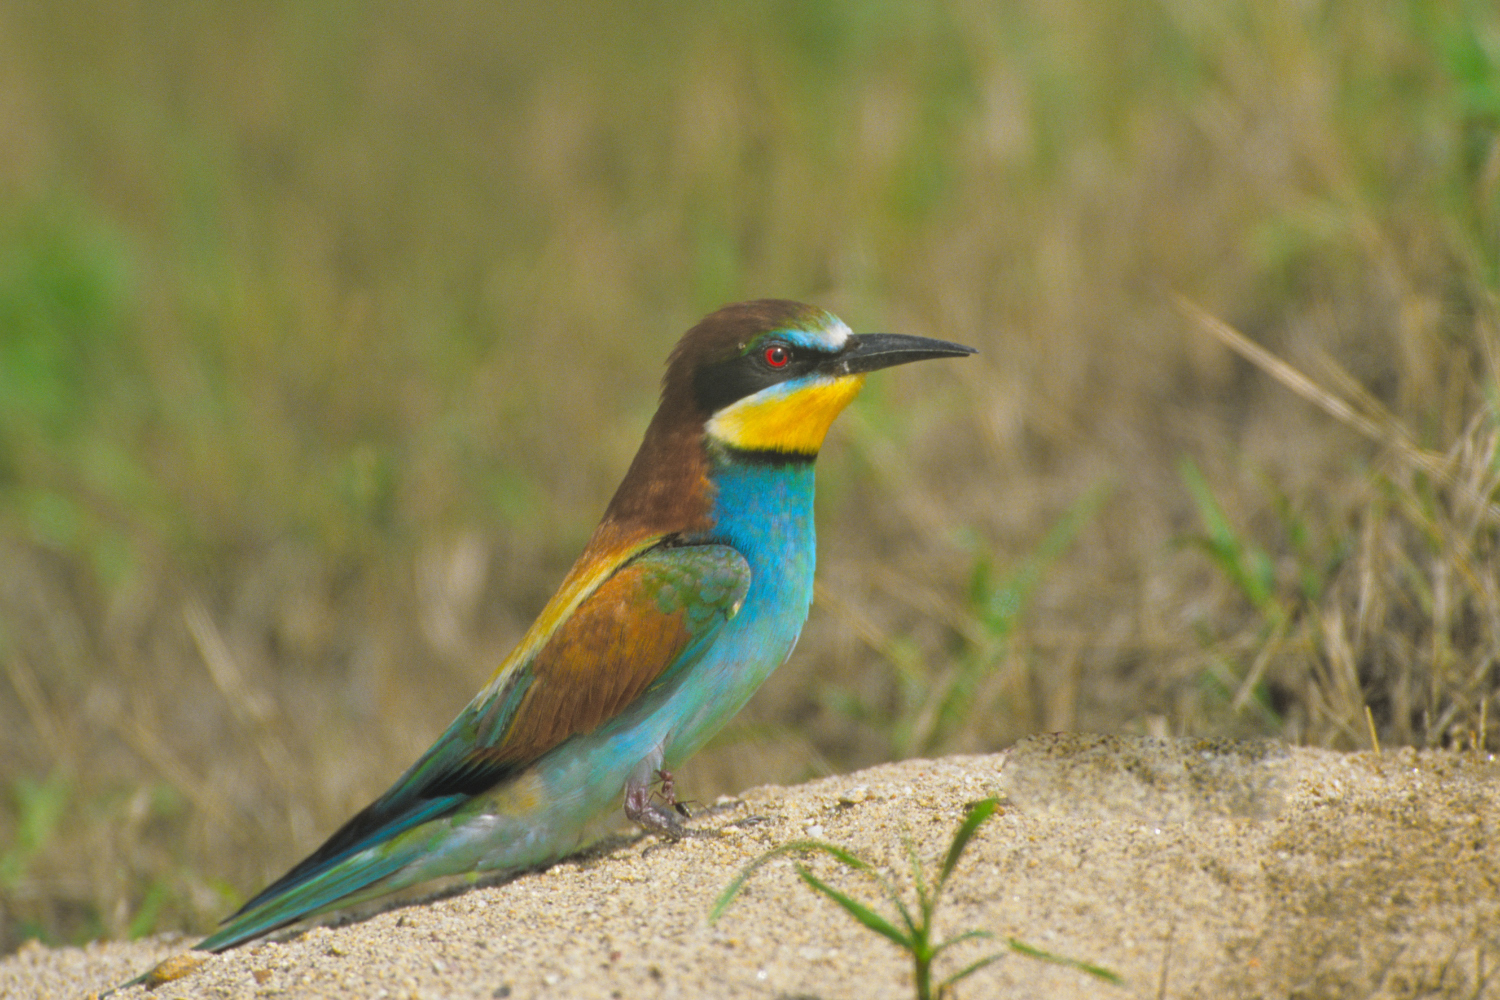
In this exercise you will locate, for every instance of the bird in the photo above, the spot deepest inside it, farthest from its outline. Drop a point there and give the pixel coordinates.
(691, 591)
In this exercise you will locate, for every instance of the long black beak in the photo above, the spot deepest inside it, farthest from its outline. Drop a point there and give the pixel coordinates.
(868, 352)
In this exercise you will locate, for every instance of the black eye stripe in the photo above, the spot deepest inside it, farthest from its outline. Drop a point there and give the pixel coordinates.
(717, 385)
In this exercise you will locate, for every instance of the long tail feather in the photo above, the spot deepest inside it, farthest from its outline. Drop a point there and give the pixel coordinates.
(326, 880)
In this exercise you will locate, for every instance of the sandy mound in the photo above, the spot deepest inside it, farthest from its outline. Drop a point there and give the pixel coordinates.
(1191, 868)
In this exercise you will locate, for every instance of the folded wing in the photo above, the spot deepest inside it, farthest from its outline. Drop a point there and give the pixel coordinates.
(636, 627)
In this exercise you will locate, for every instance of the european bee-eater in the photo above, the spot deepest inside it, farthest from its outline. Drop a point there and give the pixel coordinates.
(691, 591)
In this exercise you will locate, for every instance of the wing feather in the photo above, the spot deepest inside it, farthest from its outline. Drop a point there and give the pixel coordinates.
(627, 629)
(635, 626)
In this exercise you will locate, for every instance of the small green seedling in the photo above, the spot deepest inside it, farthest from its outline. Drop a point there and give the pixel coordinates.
(916, 937)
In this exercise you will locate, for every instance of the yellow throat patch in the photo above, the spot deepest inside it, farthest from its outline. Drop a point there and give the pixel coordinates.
(783, 418)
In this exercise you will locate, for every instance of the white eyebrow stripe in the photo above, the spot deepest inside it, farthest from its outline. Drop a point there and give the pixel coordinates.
(829, 336)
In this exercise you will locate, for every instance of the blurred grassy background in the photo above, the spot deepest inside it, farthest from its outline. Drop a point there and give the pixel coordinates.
(327, 329)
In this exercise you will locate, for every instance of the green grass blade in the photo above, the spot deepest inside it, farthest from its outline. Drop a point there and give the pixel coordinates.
(1246, 566)
(968, 971)
(1001, 603)
(906, 917)
(1097, 971)
(978, 813)
(924, 902)
(858, 910)
(146, 916)
(960, 939)
(39, 808)
(796, 847)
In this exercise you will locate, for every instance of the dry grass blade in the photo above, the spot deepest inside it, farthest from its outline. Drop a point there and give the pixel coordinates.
(43, 720)
(252, 709)
(1289, 376)
(1384, 429)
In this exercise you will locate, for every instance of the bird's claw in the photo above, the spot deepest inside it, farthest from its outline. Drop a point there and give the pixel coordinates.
(656, 817)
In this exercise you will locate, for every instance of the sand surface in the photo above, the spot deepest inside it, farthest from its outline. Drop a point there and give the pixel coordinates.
(1190, 868)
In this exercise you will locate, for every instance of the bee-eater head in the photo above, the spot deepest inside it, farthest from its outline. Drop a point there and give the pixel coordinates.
(770, 376)
(765, 378)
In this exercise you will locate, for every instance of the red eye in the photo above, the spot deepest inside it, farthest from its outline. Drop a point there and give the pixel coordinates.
(777, 356)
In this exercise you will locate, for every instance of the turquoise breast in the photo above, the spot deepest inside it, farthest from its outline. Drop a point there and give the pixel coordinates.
(764, 509)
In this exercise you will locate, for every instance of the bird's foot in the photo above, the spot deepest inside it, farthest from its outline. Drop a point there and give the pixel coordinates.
(650, 814)
(642, 808)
